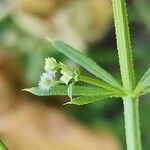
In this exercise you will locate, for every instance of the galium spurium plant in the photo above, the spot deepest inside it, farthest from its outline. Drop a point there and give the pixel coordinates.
(58, 79)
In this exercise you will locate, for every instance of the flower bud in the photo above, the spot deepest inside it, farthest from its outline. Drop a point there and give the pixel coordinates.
(67, 74)
(65, 79)
(50, 64)
(46, 81)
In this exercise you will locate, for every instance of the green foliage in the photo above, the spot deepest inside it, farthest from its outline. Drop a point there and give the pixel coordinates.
(101, 83)
(63, 90)
(85, 62)
(83, 95)
(2, 146)
(145, 79)
(31, 52)
(146, 91)
(144, 84)
(109, 87)
(89, 99)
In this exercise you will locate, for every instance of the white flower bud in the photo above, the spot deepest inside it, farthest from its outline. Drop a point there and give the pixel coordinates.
(47, 80)
(51, 74)
(50, 64)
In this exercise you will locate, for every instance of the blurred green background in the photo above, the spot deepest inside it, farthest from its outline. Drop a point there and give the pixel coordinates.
(88, 26)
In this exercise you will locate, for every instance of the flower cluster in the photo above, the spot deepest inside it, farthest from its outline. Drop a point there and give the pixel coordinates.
(49, 77)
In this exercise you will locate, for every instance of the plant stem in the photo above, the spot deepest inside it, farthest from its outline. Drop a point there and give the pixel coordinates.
(123, 44)
(132, 123)
(127, 74)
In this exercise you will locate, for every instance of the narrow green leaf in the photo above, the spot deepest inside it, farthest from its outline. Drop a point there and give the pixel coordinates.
(2, 146)
(85, 62)
(88, 100)
(63, 90)
(145, 80)
(100, 83)
(144, 83)
(146, 91)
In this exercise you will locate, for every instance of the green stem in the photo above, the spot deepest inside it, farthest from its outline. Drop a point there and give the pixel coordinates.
(100, 83)
(123, 44)
(132, 123)
(127, 74)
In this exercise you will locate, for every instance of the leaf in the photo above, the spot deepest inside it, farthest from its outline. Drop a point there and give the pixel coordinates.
(145, 80)
(88, 100)
(2, 146)
(146, 91)
(144, 83)
(85, 62)
(63, 90)
(100, 83)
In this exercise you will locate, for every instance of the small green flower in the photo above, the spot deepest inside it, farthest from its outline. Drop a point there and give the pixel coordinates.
(67, 74)
(50, 64)
(47, 79)
(65, 79)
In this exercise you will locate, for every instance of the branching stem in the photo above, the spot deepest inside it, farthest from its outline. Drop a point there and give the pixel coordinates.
(127, 74)
(132, 123)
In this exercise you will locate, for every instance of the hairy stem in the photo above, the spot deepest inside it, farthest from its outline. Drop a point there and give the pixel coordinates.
(127, 74)
(123, 44)
(132, 123)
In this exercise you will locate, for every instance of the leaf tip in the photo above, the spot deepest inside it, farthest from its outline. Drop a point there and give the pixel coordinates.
(47, 38)
(50, 40)
(26, 90)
